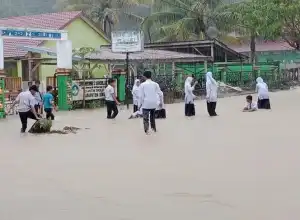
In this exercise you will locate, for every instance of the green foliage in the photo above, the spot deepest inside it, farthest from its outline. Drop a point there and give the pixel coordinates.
(180, 20)
(41, 126)
(103, 12)
(284, 17)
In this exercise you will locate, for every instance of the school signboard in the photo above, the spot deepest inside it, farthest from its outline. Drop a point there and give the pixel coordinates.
(127, 41)
(94, 89)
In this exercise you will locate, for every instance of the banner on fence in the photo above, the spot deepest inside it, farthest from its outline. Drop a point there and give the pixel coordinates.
(94, 89)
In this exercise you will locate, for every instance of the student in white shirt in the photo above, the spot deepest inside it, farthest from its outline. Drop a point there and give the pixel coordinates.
(263, 94)
(136, 95)
(211, 94)
(189, 97)
(148, 101)
(250, 106)
(111, 99)
(26, 107)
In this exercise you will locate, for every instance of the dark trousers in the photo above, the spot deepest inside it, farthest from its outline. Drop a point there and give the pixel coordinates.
(211, 108)
(135, 108)
(146, 114)
(264, 104)
(111, 107)
(23, 117)
(189, 110)
(49, 114)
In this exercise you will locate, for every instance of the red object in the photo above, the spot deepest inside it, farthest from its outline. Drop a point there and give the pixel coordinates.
(54, 21)
(118, 71)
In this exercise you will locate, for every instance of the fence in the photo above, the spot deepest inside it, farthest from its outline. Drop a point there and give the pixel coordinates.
(51, 81)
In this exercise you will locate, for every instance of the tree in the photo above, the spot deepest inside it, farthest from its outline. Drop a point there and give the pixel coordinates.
(284, 17)
(180, 20)
(104, 12)
(247, 18)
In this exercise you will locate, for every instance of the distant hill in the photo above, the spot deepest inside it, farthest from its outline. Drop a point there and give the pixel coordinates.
(25, 7)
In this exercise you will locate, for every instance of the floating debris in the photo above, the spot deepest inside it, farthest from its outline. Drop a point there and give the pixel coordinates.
(41, 126)
(44, 126)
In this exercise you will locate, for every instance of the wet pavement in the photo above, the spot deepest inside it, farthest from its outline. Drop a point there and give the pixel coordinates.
(235, 166)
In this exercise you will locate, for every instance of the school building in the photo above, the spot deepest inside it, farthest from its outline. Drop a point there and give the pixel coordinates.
(28, 60)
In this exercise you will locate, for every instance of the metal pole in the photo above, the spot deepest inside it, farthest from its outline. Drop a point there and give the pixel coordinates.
(127, 80)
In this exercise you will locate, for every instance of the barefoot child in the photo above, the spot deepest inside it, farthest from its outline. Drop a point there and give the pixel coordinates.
(251, 106)
(48, 101)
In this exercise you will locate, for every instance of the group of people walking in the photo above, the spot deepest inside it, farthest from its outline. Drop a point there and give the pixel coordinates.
(32, 104)
(262, 90)
(148, 100)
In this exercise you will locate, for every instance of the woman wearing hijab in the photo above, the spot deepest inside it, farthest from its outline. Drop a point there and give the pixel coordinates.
(263, 94)
(160, 111)
(211, 94)
(189, 97)
(135, 95)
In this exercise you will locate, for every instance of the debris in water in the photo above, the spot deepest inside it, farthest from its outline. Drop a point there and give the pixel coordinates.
(41, 126)
(44, 126)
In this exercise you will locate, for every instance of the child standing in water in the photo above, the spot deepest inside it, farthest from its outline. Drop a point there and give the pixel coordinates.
(160, 111)
(189, 97)
(111, 100)
(211, 94)
(136, 95)
(263, 94)
(250, 106)
(48, 101)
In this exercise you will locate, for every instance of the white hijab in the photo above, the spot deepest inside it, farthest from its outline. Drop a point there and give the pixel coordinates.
(188, 90)
(210, 79)
(262, 88)
(211, 88)
(188, 84)
(135, 86)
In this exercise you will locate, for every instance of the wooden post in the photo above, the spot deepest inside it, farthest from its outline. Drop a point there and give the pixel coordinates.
(29, 60)
(2, 94)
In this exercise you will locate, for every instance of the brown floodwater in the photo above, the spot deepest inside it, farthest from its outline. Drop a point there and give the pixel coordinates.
(235, 166)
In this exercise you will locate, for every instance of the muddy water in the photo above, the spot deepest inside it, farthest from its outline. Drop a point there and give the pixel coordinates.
(235, 166)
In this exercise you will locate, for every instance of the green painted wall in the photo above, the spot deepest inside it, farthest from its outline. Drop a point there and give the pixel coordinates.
(287, 56)
(81, 35)
(11, 68)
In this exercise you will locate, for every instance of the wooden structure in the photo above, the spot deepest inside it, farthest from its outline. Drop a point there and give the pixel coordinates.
(219, 51)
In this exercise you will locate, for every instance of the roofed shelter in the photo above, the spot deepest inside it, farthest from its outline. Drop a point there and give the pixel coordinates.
(216, 50)
(147, 58)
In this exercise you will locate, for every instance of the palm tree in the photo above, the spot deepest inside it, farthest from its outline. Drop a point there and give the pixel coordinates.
(180, 20)
(246, 19)
(104, 12)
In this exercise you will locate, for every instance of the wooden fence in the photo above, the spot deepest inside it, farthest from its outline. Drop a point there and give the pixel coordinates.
(51, 81)
(13, 84)
(13, 87)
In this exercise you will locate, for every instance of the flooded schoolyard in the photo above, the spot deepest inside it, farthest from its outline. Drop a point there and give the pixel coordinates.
(238, 166)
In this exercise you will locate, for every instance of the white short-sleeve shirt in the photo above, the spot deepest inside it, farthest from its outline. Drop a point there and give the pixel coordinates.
(109, 93)
(26, 101)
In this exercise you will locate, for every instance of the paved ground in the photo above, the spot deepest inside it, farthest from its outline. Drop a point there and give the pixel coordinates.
(238, 166)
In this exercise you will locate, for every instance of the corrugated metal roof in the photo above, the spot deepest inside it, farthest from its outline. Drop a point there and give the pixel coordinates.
(56, 21)
(263, 46)
(106, 55)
